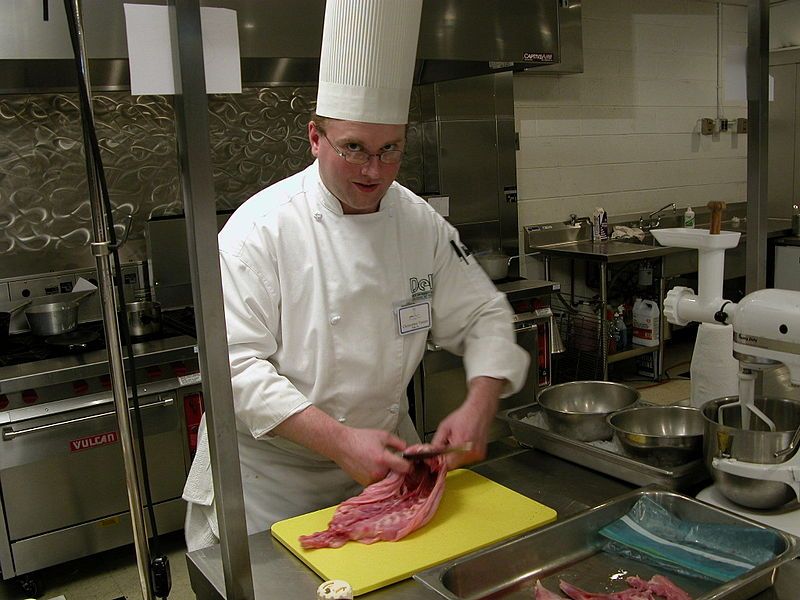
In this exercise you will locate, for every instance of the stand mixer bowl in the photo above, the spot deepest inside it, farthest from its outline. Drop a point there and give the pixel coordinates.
(755, 444)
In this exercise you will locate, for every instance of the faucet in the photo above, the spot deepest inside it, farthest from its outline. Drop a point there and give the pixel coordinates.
(657, 213)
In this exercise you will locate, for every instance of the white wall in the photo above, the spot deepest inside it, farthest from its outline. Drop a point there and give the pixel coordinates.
(624, 133)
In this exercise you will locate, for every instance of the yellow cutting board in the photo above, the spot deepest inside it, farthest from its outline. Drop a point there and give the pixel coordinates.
(475, 512)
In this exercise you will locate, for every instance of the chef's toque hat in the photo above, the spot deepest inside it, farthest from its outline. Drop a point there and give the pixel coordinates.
(367, 62)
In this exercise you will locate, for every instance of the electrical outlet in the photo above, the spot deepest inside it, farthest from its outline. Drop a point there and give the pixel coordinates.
(707, 126)
(741, 125)
(723, 124)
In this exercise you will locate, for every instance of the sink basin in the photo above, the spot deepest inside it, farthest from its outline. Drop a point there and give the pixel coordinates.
(648, 240)
(701, 239)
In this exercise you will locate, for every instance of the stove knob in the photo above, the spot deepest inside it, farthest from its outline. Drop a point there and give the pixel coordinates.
(3, 401)
(154, 372)
(105, 381)
(179, 369)
(80, 387)
(29, 396)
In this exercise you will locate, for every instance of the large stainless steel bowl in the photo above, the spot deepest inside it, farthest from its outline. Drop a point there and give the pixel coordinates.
(578, 409)
(755, 444)
(663, 436)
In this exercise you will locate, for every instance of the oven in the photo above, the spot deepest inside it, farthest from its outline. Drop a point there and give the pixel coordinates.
(63, 492)
(439, 385)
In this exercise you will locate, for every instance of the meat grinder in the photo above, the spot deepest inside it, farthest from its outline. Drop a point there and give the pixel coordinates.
(766, 333)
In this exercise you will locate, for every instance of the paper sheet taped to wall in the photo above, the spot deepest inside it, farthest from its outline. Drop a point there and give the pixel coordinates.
(150, 50)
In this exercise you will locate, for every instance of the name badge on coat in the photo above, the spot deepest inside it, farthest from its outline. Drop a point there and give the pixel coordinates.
(413, 315)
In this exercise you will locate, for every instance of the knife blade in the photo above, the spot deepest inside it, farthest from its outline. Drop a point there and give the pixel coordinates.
(433, 451)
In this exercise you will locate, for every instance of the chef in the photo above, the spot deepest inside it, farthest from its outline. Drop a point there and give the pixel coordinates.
(333, 281)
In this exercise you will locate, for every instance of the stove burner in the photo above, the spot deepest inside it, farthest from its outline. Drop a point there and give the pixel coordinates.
(22, 348)
(73, 340)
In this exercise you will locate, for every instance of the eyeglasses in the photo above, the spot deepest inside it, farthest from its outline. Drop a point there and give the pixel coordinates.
(359, 157)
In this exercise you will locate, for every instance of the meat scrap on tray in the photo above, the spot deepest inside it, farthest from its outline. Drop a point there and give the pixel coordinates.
(658, 588)
(387, 510)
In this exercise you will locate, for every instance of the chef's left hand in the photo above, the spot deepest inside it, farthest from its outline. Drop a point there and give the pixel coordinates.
(470, 422)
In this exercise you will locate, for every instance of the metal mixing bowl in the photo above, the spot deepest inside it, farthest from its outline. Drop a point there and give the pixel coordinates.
(663, 436)
(578, 410)
(757, 445)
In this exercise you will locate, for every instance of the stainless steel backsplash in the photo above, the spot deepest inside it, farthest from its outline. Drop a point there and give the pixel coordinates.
(257, 138)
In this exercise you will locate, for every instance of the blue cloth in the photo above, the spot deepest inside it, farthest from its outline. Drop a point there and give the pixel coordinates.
(652, 534)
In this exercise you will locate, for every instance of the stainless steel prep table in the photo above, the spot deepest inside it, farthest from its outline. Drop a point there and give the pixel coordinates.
(620, 251)
(564, 486)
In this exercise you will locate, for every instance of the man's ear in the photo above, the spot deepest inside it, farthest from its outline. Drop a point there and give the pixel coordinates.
(313, 138)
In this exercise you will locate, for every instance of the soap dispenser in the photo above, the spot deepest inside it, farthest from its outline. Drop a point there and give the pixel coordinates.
(688, 217)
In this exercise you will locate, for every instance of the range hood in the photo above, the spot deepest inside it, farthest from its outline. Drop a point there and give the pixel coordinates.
(280, 41)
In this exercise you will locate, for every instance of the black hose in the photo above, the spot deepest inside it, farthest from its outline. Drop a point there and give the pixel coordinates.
(94, 162)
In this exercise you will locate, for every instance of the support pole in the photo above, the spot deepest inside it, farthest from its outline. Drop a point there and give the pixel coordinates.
(757, 141)
(199, 203)
(101, 251)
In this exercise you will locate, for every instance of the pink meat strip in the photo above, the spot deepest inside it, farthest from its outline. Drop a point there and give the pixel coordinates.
(660, 586)
(577, 593)
(387, 510)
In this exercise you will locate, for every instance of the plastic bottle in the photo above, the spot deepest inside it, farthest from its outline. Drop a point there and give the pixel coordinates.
(646, 323)
(613, 336)
(597, 218)
(688, 217)
(619, 321)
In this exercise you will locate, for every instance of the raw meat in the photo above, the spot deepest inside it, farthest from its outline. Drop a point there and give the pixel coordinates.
(577, 593)
(660, 586)
(387, 510)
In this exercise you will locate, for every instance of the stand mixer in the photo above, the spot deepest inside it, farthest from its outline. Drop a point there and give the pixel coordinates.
(752, 454)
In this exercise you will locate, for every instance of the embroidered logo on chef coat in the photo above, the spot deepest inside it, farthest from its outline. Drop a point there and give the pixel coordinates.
(421, 287)
(414, 314)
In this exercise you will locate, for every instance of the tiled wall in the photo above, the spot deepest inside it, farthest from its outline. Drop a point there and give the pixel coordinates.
(624, 133)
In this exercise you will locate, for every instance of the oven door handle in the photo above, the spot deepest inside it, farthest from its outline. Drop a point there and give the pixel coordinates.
(10, 434)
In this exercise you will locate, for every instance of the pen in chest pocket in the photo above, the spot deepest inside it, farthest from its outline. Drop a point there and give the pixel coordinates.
(459, 252)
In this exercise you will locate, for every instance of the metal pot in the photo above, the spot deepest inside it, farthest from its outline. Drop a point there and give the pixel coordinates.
(664, 436)
(495, 265)
(755, 446)
(578, 410)
(57, 315)
(144, 318)
(53, 318)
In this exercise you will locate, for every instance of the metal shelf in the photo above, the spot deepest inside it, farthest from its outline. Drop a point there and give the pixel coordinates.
(633, 352)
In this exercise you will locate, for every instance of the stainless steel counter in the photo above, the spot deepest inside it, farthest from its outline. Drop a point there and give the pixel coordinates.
(614, 251)
(564, 486)
(526, 288)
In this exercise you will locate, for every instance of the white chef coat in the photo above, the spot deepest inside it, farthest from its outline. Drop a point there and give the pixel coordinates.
(311, 300)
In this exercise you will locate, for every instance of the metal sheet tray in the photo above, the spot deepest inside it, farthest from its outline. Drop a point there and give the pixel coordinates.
(572, 550)
(680, 478)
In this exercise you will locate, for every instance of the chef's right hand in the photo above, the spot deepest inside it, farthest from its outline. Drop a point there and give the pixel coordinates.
(367, 455)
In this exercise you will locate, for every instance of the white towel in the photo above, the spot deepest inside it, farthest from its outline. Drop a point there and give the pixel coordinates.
(199, 486)
(621, 232)
(714, 371)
